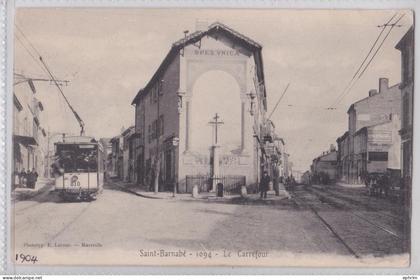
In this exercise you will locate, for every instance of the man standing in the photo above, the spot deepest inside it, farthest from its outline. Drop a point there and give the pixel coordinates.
(34, 176)
(28, 178)
(22, 176)
(265, 181)
(276, 181)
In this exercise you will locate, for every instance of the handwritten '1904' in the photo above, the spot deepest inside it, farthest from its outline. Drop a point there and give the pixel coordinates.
(26, 258)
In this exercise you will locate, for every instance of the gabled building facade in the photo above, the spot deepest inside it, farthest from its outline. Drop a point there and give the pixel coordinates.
(127, 151)
(173, 138)
(378, 107)
(324, 167)
(377, 147)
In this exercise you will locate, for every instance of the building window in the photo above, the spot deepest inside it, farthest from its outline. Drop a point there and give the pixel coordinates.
(160, 125)
(154, 129)
(149, 133)
(378, 156)
(130, 149)
(160, 88)
(155, 93)
(406, 111)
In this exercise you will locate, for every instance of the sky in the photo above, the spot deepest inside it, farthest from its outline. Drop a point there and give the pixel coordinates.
(108, 54)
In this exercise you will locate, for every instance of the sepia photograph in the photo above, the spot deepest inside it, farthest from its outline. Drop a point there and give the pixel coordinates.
(212, 137)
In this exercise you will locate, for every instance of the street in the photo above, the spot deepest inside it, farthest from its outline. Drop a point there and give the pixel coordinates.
(120, 228)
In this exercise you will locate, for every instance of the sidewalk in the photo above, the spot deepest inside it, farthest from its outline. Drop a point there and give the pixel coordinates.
(209, 196)
(42, 185)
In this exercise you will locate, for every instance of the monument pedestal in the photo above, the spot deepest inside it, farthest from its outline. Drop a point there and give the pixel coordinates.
(215, 150)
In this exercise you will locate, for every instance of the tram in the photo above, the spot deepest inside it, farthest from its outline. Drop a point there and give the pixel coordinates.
(78, 169)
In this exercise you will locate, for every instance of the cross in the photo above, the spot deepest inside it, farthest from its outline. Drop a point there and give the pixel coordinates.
(216, 124)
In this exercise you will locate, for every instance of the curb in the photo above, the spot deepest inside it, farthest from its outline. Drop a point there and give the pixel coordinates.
(145, 196)
(134, 192)
(190, 198)
(25, 196)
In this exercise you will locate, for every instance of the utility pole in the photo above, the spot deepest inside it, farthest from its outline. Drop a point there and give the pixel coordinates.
(76, 115)
(22, 79)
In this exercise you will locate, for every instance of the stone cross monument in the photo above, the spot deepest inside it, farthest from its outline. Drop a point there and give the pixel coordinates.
(216, 122)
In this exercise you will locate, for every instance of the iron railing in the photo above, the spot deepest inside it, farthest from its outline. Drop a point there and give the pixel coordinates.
(231, 183)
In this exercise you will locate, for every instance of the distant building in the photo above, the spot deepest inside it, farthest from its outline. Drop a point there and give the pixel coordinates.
(306, 178)
(406, 46)
(298, 176)
(173, 141)
(378, 107)
(377, 148)
(117, 157)
(29, 138)
(127, 151)
(343, 158)
(281, 148)
(324, 167)
(107, 146)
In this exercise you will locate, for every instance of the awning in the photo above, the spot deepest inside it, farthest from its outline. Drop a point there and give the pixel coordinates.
(25, 140)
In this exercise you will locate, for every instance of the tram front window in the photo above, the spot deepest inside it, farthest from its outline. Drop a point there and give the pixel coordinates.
(78, 157)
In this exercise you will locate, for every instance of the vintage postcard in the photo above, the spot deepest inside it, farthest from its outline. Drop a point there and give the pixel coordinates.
(212, 137)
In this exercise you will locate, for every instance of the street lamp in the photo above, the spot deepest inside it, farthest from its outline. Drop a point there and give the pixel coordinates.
(180, 96)
(251, 97)
(175, 144)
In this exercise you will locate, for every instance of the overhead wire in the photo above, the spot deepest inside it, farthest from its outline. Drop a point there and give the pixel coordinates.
(359, 73)
(49, 72)
(278, 102)
(386, 36)
(30, 54)
(369, 62)
(349, 84)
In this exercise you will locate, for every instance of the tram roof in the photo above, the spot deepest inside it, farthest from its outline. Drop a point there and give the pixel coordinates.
(78, 140)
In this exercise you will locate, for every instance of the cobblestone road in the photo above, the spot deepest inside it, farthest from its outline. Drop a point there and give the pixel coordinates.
(121, 222)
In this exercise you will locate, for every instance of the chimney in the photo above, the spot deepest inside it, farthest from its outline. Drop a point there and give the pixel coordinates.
(373, 92)
(201, 25)
(383, 84)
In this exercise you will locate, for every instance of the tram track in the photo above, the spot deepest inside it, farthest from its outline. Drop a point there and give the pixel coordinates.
(344, 204)
(324, 204)
(353, 201)
(349, 210)
(327, 225)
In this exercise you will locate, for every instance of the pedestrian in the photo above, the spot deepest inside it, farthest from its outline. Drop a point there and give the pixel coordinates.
(34, 175)
(16, 178)
(264, 184)
(276, 181)
(22, 178)
(28, 179)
